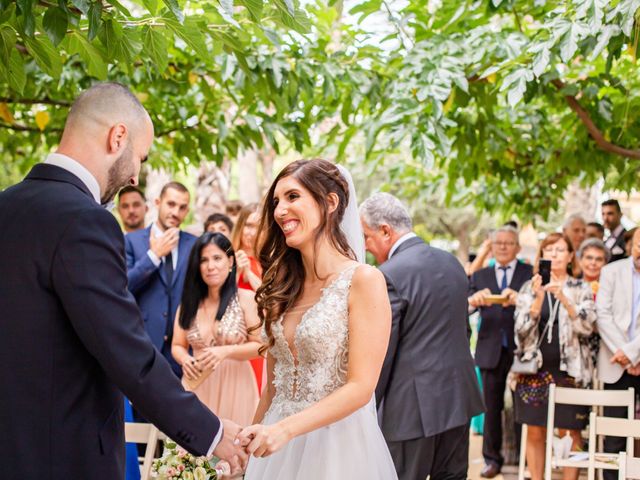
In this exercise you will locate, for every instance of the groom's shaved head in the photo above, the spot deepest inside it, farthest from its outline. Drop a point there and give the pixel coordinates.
(104, 105)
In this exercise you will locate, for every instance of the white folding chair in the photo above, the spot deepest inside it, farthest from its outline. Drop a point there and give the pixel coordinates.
(572, 396)
(624, 462)
(629, 467)
(145, 433)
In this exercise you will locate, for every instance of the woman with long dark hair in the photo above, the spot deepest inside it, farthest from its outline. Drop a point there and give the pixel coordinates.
(216, 320)
(327, 321)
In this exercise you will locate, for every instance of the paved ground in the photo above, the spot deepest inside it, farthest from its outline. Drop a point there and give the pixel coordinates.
(476, 463)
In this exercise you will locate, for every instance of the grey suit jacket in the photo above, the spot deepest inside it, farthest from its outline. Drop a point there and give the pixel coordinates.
(428, 383)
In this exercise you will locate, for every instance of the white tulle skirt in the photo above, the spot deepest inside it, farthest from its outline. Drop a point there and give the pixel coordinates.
(352, 448)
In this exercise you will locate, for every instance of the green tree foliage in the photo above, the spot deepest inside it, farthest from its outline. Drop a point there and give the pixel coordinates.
(508, 101)
(216, 77)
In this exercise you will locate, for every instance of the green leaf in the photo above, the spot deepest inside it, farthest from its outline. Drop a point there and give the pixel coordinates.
(55, 24)
(45, 55)
(92, 56)
(15, 73)
(155, 45)
(7, 42)
(366, 8)
(25, 10)
(151, 5)
(174, 8)
(82, 5)
(95, 17)
(6, 13)
(254, 7)
(191, 33)
(110, 35)
(121, 8)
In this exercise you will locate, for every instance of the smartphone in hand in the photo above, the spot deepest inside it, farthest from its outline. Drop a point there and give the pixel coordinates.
(544, 269)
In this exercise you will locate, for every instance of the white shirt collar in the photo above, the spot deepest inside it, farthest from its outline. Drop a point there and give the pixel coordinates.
(74, 167)
(399, 242)
(511, 266)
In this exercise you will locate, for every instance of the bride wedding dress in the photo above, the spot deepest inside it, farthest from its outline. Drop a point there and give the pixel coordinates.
(352, 448)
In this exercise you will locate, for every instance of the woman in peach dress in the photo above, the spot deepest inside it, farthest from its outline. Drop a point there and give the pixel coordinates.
(214, 319)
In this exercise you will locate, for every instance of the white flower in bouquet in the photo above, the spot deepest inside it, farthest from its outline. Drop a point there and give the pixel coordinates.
(199, 473)
(187, 476)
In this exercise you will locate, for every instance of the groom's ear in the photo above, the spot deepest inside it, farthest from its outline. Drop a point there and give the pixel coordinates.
(332, 202)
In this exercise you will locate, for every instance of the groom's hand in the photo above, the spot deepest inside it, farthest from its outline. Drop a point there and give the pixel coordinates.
(227, 450)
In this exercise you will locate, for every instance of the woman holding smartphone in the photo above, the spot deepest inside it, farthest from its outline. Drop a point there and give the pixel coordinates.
(555, 316)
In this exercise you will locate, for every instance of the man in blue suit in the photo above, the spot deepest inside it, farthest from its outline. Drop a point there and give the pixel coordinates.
(156, 266)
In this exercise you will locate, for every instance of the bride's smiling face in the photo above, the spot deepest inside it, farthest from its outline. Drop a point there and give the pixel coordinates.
(295, 211)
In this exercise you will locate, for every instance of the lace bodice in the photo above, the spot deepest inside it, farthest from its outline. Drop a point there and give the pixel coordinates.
(321, 343)
(230, 330)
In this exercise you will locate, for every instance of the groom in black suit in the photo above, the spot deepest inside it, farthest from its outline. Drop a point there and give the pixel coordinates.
(428, 391)
(72, 336)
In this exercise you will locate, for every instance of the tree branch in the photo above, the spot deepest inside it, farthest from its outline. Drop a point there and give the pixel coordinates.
(23, 128)
(35, 101)
(593, 129)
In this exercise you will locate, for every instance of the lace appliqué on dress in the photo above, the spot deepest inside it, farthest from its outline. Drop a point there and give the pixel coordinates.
(321, 342)
(230, 330)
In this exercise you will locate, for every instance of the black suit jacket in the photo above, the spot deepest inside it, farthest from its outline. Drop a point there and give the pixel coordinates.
(428, 383)
(496, 318)
(619, 248)
(72, 339)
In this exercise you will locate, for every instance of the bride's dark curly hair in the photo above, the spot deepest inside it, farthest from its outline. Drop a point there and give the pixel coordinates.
(282, 265)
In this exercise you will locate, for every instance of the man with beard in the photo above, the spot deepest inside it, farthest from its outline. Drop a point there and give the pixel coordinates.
(73, 338)
(157, 263)
(132, 208)
(612, 218)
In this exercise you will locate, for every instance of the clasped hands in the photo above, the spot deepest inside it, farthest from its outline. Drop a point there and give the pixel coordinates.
(206, 360)
(237, 443)
(621, 358)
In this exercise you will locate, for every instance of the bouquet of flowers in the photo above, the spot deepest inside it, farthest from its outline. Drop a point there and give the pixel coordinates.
(176, 463)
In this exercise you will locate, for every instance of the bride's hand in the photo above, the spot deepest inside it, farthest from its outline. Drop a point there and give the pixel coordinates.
(211, 357)
(263, 440)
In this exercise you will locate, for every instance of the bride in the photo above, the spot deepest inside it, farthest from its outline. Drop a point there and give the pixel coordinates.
(327, 321)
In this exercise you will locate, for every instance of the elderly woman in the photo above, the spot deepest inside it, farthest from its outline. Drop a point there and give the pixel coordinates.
(553, 324)
(592, 256)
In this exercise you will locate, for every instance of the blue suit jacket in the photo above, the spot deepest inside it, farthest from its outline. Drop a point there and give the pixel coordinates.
(72, 340)
(158, 301)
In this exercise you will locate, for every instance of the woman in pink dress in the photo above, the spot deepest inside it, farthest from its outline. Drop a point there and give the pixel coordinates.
(215, 319)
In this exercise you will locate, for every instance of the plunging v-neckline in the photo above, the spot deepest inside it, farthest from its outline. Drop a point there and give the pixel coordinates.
(323, 290)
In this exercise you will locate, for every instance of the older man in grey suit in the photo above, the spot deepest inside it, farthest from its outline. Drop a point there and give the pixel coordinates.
(428, 390)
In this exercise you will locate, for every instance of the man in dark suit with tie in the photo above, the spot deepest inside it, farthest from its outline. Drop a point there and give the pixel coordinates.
(494, 350)
(612, 218)
(72, 337)
(427, 392)
(156, 265)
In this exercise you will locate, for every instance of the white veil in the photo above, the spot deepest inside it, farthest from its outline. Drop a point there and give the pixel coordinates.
(350, 225)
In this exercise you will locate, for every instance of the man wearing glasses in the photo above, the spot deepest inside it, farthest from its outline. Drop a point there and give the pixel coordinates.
(493, 291)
